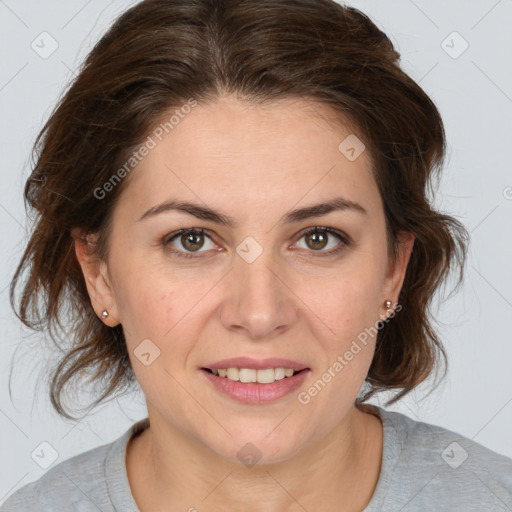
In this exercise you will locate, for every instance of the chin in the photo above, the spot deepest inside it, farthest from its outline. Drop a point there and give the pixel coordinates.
(261, 446)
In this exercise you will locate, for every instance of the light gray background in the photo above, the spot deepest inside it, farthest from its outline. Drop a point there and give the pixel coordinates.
(473, 93)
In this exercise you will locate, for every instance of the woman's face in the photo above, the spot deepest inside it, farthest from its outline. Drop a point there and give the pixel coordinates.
(254, 284)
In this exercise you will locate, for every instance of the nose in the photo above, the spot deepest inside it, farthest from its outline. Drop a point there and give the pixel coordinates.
(260, 304)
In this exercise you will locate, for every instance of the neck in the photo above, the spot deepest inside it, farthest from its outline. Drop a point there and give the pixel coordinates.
(340, 472)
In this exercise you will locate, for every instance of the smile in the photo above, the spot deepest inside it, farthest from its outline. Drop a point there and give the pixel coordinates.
(263, 376)
(251, 386)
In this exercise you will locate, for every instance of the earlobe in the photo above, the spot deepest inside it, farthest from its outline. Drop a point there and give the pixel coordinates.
(95, 272)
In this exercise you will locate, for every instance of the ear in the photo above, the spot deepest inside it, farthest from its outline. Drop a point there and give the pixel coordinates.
(96, 277)
(395, 274)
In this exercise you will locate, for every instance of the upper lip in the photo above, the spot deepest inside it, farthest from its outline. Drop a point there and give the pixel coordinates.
(258, 364)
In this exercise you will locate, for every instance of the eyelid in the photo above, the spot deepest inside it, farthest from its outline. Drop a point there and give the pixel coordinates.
(342, 237)
(176, 234)
(331, 231)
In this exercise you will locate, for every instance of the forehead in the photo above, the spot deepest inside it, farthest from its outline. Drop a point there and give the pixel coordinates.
(241, 127)
(255, 155)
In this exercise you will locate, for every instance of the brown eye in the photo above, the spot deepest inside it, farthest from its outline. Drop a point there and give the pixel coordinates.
(318, 238)
(192, 241)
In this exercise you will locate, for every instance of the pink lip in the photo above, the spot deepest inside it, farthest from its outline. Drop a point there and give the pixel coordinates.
(257, 364)
(254, 392)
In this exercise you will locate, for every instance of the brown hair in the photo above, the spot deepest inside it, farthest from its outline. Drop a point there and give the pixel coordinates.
(161, 53)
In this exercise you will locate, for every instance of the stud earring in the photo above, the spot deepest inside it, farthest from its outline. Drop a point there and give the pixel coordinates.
(388, 304)
(104, 314)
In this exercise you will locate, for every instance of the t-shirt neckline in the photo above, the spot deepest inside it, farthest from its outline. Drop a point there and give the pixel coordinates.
(118, 486)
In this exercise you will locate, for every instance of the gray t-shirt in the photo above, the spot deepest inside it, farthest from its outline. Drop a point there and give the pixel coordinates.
(424, 468)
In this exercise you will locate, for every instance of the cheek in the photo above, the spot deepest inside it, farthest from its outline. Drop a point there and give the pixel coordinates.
(348, 302)
(349, 307)
(147, 305)
(162, 309)
(151, 324)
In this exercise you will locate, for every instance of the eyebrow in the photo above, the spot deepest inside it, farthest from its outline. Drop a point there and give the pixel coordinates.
(206, 213)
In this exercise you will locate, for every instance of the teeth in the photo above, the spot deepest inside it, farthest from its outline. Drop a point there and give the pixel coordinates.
(266, 376)
(280, 373)
(263, 376)
(247, 375)
(233, 374)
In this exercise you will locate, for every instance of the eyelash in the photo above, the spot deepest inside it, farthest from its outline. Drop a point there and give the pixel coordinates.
(346, 241)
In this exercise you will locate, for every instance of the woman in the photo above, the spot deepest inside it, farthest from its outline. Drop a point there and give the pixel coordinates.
(232, 198)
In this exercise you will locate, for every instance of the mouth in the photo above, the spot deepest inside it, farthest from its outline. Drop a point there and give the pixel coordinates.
(255, 386)
(253, 375)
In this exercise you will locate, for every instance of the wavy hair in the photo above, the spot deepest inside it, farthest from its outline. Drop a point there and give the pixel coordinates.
(154, 58)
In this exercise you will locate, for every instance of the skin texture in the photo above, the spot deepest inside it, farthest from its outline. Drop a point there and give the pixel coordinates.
(254, 164)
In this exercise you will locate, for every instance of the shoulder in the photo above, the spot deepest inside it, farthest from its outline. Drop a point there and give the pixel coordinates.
(434, 466)
(80, 483)
(65, 485)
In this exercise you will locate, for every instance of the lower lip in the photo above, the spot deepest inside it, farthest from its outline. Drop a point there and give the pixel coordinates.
(254, 392)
